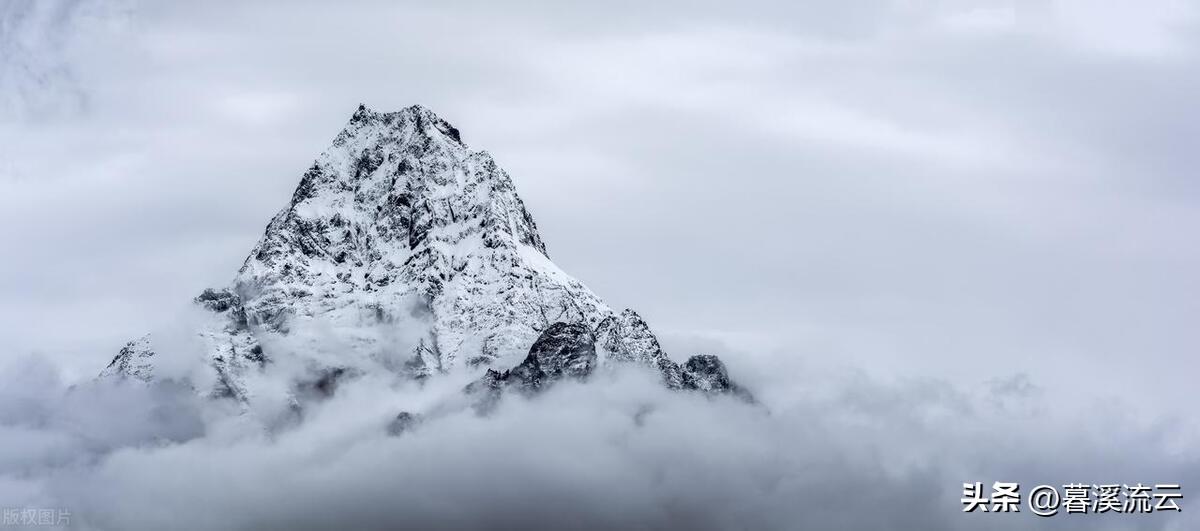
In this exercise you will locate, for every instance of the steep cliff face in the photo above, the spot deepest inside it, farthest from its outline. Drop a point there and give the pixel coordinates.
(398, 224)
(562, 351)
(399, 220)
(133, 361)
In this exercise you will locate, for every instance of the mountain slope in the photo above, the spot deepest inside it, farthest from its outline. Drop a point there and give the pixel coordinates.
(400, 226)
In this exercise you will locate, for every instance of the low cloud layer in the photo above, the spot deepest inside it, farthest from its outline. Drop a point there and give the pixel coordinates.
(949, 241)
(906, 184)
(826, 449)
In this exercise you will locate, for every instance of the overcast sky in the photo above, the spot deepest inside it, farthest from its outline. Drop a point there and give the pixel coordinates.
(941, 241)
(962, 190)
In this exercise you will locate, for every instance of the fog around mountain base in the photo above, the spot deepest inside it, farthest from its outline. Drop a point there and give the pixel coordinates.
(827, 448)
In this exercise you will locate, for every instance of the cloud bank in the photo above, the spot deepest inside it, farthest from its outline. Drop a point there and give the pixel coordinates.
(951, 194)
(826, 449)
(901, 183)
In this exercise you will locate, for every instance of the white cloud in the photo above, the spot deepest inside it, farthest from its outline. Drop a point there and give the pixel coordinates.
(852, 180)
(618, 451)
(1150, 29)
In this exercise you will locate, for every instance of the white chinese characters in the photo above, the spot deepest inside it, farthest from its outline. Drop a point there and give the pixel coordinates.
(1073, 498)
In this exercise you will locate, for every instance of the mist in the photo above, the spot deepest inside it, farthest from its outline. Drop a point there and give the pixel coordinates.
(824, 448)
(940, 242)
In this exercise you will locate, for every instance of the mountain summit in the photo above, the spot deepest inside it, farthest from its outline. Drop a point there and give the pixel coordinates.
(412, 253)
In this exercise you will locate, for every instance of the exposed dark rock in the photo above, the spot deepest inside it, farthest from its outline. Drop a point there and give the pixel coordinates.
(134, 360)
(569, 350)
(324, 383)
(626, 338)
(562, 351)
(256, 355)
(478, 361)
(706, 373)
(217, 300)
(404, 422)
(672, 374)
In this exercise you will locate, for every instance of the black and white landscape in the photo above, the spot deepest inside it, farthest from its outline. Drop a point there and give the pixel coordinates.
(537, 265)
(403, 253)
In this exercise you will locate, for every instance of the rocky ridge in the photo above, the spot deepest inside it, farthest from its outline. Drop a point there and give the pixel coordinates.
(398, 225)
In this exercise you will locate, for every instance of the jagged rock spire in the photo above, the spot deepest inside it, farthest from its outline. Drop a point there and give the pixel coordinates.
(399, 217)
(400, 225)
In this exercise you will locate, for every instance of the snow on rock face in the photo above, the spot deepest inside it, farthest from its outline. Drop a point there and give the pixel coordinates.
(707, 373)
(627, 338)
(399, 224)
(562, 351)
(133, 361)
(399, 218)
(565, 350)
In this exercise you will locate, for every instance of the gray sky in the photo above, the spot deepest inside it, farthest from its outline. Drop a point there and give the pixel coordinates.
(963, 190)
(941, 242)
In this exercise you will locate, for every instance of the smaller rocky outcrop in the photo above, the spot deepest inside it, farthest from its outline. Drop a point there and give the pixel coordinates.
(563, 350)
(707, 373)
(626, 338)
(403, 423)
(569, 350)
(135, 360)
(323, 383)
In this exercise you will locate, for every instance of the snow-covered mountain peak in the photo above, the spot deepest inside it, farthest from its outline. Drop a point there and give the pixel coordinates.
(412, 124)
(397, 212)
(400, 226)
